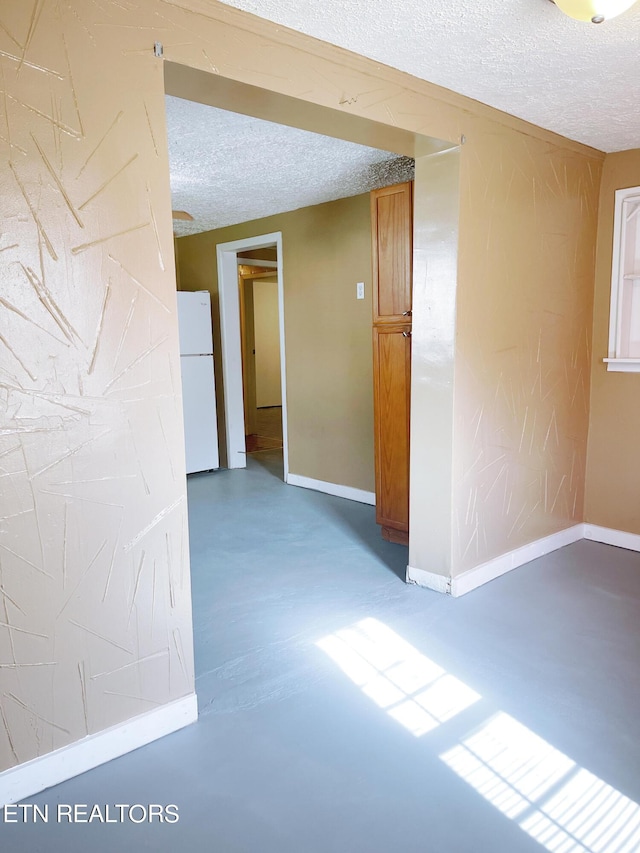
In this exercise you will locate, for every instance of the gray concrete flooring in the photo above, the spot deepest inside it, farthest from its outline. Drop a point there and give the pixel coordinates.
(292, 755)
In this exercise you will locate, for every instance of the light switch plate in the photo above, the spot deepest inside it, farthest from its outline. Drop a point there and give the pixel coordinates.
(360, 290)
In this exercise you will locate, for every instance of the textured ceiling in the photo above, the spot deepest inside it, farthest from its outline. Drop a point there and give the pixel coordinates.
(523, 56)
(227, 168)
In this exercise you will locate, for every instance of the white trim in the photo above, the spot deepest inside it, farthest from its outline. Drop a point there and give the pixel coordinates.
(254, 262)
(492, 569)
(623, 365)
(30, 778)
(619, 538)
(430, 580)
(486, 572)
(229, 301)
(335, 489)
(614, 318)
(227, 257)
(283, 360)
(620, 237)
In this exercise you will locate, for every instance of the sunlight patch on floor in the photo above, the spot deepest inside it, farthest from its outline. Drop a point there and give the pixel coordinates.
(415, 691)
(564, 807)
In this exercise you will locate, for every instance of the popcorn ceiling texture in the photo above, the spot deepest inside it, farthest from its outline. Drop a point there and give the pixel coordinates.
(228, 168)
(522, 56)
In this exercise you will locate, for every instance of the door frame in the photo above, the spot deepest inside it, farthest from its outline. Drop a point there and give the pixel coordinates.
(231, 347)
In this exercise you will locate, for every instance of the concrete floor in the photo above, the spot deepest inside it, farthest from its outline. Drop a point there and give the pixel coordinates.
(528, 728)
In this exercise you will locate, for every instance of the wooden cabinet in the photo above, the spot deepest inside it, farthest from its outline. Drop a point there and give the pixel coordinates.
(392, 239)
(391, 394)
(392, 233)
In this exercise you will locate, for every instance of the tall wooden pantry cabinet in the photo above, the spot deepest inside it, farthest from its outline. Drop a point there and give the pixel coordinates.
(392, 247)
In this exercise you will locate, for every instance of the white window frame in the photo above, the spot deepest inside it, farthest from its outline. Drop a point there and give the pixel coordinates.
(619, 276)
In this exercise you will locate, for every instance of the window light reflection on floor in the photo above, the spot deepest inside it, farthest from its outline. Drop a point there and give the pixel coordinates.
(562, 806)
(412, 689)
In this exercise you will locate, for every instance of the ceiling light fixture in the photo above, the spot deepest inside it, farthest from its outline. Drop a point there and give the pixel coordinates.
(595, 11)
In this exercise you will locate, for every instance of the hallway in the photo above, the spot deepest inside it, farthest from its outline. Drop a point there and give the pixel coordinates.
(521, 692)
(269, 430)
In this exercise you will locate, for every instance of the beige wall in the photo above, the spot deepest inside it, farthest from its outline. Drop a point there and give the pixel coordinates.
(95, 607)
(613, 470)
(94, 547)
(247, 330)
(326, 250)
(266, 324)
(523, 338)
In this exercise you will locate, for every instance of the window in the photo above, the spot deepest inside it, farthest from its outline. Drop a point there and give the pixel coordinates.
(624, 320)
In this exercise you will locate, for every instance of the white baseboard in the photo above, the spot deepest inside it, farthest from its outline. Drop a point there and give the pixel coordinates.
(332, 489)
(430, 580)
(25, 780)
(630, 541)
(486, 572)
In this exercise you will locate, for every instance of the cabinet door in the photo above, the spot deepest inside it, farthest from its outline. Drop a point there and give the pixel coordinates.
(392, 248)
(392, 387)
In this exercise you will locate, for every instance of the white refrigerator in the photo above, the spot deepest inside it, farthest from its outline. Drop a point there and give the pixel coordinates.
(198, 381)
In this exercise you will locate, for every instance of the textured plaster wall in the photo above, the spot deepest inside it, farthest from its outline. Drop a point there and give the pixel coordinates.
(94, 605)
(329, 355)
(613, 470)
(525, 294)
(95, 610)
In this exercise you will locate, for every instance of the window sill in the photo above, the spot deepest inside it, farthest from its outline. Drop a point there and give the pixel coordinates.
(623, 365)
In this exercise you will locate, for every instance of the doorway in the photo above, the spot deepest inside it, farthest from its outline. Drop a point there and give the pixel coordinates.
(436, 224)
(261, 363)
(243, 374)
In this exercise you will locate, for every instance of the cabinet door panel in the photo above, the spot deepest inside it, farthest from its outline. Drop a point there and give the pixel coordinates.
(392, 239)
(392, 371)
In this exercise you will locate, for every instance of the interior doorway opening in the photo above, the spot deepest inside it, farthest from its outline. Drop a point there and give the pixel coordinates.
(327, 451)
(261, 360)
(238, 280)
